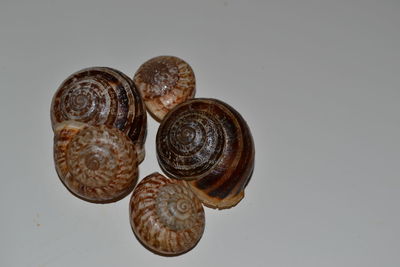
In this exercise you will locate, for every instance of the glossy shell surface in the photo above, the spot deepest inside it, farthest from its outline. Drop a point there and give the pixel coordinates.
(102, 96)
(164, 82)
(96, 163)
(166, 216)
(208, 144)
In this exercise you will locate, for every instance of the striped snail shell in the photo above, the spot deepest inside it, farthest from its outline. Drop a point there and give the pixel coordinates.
(207, 143)
(164, 82)
(165, 215)
(96, 163)
(101, 95)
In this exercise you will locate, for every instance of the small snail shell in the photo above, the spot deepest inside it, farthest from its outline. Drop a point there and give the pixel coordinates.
(207, 143)
(102, 96)
(165, 215)
(96, 163)
(164, 82)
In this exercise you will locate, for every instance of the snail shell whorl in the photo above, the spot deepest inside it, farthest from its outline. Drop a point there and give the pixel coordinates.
(96, 163)
(207, 143)
(164, 82)
(102, 96)
(166, 216)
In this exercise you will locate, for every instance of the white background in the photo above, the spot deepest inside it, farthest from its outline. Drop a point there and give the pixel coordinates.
(317, 81)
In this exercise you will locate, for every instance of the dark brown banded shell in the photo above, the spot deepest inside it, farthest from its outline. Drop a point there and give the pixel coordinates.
(165, 215)
(207, 143)
(96, 163)
(102, 96)
(164, 82)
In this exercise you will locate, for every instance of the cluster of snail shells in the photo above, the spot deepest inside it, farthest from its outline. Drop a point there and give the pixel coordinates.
(205, 145)
(99, 121)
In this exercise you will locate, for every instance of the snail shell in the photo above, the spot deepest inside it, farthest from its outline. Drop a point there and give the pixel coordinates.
(165, 215)
(207, 143)
(96, 163)
(164, 82)
(101, 95)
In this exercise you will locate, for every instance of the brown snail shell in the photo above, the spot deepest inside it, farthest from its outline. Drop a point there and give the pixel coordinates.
(96, 163)
(102, 96)
(165, 215)
(207, 143)
(164, 82)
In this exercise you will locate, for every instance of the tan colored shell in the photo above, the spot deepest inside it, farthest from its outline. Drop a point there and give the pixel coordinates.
(166, 216)
(208, 144)
(102, 96)
(96, 163)
(164, 82)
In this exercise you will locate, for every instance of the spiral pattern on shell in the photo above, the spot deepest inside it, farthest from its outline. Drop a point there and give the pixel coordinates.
(102, 96)
(207, 143)
(96, 163)
(166, 216)
(164, 82)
